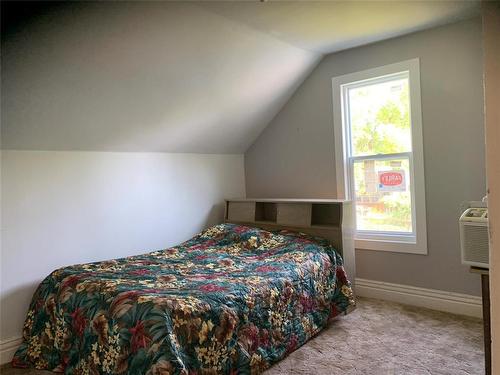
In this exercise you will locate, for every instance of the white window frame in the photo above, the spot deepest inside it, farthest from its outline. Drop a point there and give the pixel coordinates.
(415, 243)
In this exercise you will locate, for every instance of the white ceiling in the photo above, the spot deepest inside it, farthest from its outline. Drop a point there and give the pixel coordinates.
(202, 77)
(329, 26)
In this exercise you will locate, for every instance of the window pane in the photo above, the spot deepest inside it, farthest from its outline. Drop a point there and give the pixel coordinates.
(379, 118)
(382, 195)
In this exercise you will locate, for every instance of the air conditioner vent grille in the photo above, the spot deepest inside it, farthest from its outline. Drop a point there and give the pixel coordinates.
(474, 239)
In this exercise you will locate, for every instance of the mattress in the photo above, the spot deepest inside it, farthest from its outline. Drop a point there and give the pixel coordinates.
(233, 299)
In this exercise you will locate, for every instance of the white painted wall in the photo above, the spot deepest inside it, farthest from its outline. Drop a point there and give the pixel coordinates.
(62, 208)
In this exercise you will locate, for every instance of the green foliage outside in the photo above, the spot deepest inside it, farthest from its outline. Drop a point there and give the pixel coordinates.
(385, 131)
(381, 128)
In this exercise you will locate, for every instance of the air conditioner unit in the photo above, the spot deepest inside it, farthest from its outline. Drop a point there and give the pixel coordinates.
(474, 240)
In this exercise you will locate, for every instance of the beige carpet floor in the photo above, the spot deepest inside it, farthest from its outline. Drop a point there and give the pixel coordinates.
(383, 338)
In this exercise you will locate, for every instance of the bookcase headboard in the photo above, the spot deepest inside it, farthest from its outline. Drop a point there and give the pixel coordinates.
(331, 219)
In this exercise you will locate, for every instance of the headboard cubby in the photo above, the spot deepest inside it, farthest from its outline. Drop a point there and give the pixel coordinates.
(328, 218)
(266, 212)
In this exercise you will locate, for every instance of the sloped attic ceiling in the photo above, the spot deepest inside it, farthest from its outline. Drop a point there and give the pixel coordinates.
(203, 77)
(152, 76)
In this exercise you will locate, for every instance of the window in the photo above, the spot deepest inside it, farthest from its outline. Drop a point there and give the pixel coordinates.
(379, 155)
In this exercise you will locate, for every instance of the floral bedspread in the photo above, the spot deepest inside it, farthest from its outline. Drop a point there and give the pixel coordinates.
(231, 300)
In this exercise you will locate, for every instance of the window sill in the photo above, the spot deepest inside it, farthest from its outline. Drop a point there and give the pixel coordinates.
(391, 246)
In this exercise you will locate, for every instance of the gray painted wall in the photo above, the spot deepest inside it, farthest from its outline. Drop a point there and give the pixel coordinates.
(294, 156)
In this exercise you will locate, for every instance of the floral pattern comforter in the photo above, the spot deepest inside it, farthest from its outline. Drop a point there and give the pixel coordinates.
(232, 300)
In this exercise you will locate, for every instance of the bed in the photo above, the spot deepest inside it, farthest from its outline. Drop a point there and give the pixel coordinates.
(234, 299)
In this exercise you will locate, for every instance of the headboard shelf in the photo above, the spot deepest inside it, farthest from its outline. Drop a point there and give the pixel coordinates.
(325, 226)
(275, 224)
(327, 218)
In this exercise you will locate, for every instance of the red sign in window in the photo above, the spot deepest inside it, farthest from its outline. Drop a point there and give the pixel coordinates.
(391, 178)
(391, 181)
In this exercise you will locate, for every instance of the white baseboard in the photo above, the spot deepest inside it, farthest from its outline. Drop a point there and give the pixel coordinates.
(8, 348)
(455, 303)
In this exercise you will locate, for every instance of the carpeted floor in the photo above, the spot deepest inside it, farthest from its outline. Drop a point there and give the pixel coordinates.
(383, 338)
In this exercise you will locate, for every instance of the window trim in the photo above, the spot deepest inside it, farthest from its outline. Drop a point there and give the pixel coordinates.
(418, 243)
